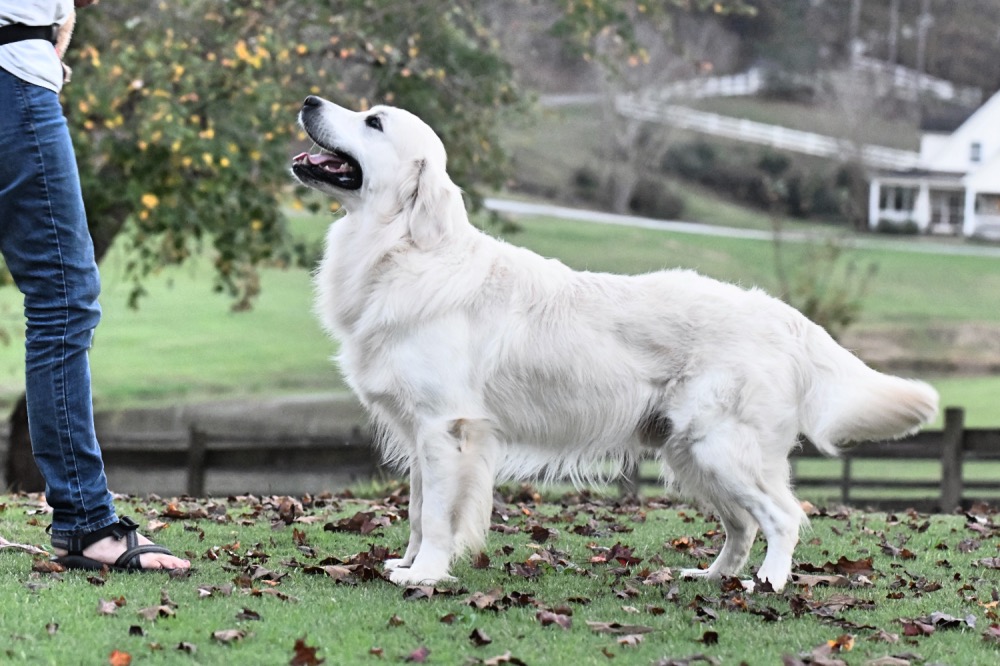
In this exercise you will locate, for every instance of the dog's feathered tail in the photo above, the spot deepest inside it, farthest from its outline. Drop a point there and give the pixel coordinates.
(846, 401)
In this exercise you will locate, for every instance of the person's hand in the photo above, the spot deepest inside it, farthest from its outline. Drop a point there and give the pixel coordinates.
(84, 3)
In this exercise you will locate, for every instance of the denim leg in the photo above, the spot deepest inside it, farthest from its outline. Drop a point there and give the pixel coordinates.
(48, 249)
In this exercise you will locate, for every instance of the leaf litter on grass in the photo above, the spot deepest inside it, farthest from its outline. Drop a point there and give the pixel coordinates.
(843, 591)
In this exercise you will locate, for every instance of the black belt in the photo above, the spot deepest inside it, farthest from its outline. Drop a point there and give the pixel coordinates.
(18, 32)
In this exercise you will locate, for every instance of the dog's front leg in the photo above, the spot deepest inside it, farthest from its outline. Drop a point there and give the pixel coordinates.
(432, 542)
(416, 503)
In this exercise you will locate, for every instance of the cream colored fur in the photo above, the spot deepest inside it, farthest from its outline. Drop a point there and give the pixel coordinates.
(482, 361)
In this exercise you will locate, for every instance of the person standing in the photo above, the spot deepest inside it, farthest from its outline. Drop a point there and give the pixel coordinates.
(49, 252)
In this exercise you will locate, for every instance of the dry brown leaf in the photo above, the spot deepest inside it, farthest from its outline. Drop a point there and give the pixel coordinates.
(229, 635)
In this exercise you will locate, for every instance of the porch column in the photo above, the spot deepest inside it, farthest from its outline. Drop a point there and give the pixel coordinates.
(874, 190)
(922, 207)
(969, 219)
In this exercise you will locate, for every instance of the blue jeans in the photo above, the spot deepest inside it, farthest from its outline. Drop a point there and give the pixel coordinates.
(49, 252)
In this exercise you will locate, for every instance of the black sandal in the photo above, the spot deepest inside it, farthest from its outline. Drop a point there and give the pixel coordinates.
(129, 560)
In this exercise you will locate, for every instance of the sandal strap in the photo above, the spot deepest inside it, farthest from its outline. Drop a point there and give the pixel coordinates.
(130, 558)
(74, 545)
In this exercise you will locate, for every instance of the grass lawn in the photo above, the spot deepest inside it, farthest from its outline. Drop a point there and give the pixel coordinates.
(576, 580)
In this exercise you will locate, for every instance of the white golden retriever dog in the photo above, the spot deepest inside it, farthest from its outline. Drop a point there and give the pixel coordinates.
(479, 360)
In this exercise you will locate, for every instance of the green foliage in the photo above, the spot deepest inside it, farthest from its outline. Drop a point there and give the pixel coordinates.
(769, 180)
(582, 23)
(824, 283)
(184, 114)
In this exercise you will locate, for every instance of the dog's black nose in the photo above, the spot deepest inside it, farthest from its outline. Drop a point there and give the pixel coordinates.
(311, 101)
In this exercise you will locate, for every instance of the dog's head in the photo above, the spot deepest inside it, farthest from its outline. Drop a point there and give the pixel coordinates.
(386, 158)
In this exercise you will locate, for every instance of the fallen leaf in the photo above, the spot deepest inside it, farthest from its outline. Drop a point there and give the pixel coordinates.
(812, 580)
(479, 638)
(229, 635)
(616, 628)
(844, 643)
(304, 655)
(417, 592)
(119, 658)
(630, 640)
(548, 617)
(484, 600)
(47, 566)
(504, 658)
(884, 636)
(153, 612)
(658, 577)
(108, 607)
(418, 656)
(248, 614)
(916, 628)
(213, 590)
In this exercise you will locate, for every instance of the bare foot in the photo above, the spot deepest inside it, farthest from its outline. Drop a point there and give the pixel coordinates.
(109, 549)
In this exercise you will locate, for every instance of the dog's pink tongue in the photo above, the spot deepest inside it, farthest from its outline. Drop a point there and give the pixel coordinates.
(315, 160)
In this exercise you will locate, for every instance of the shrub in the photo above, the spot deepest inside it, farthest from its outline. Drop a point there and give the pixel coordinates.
(652, 198)
(906, 228)
(586, 183)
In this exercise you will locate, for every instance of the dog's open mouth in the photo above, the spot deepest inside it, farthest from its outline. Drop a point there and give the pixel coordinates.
(336, 168)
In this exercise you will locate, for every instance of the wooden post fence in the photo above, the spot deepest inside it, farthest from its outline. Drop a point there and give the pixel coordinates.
(952, 448)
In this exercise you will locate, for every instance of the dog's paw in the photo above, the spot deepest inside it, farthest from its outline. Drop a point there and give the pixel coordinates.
(413, 576)
(695, 573)
(395, 563)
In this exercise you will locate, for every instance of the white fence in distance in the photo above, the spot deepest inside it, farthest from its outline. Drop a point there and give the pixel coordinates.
(650, 109)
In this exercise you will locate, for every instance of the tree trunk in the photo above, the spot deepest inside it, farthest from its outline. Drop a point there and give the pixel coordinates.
(22, 473)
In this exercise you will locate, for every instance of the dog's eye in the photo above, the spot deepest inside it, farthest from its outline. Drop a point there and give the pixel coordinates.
(374, 122)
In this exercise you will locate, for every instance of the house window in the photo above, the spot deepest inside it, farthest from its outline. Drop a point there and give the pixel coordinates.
(987, 205)
(895, 197)
(976, 152)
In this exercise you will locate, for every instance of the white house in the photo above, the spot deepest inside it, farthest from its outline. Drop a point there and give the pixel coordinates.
(955, 189)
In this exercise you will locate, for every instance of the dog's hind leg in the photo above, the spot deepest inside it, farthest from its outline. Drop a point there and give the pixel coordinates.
(416, 505)
(741, 529)
(453, 514)
(780, 516)
(726, 468)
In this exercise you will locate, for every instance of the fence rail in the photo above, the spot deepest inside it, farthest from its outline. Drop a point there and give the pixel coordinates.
(951, 447)
(644, 107)
(202, 455)
(197, 453)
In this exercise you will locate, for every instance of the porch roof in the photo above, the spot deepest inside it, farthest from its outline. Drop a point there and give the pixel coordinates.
(916, 176)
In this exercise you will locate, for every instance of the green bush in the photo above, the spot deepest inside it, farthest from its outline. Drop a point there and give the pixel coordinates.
(770, 180)
(586, 184)
(907, 228)
(652, 198)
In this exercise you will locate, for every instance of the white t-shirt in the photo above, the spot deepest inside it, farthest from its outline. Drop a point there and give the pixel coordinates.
(34, 60)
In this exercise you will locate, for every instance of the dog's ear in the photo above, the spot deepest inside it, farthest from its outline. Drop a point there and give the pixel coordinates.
(428, 202)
